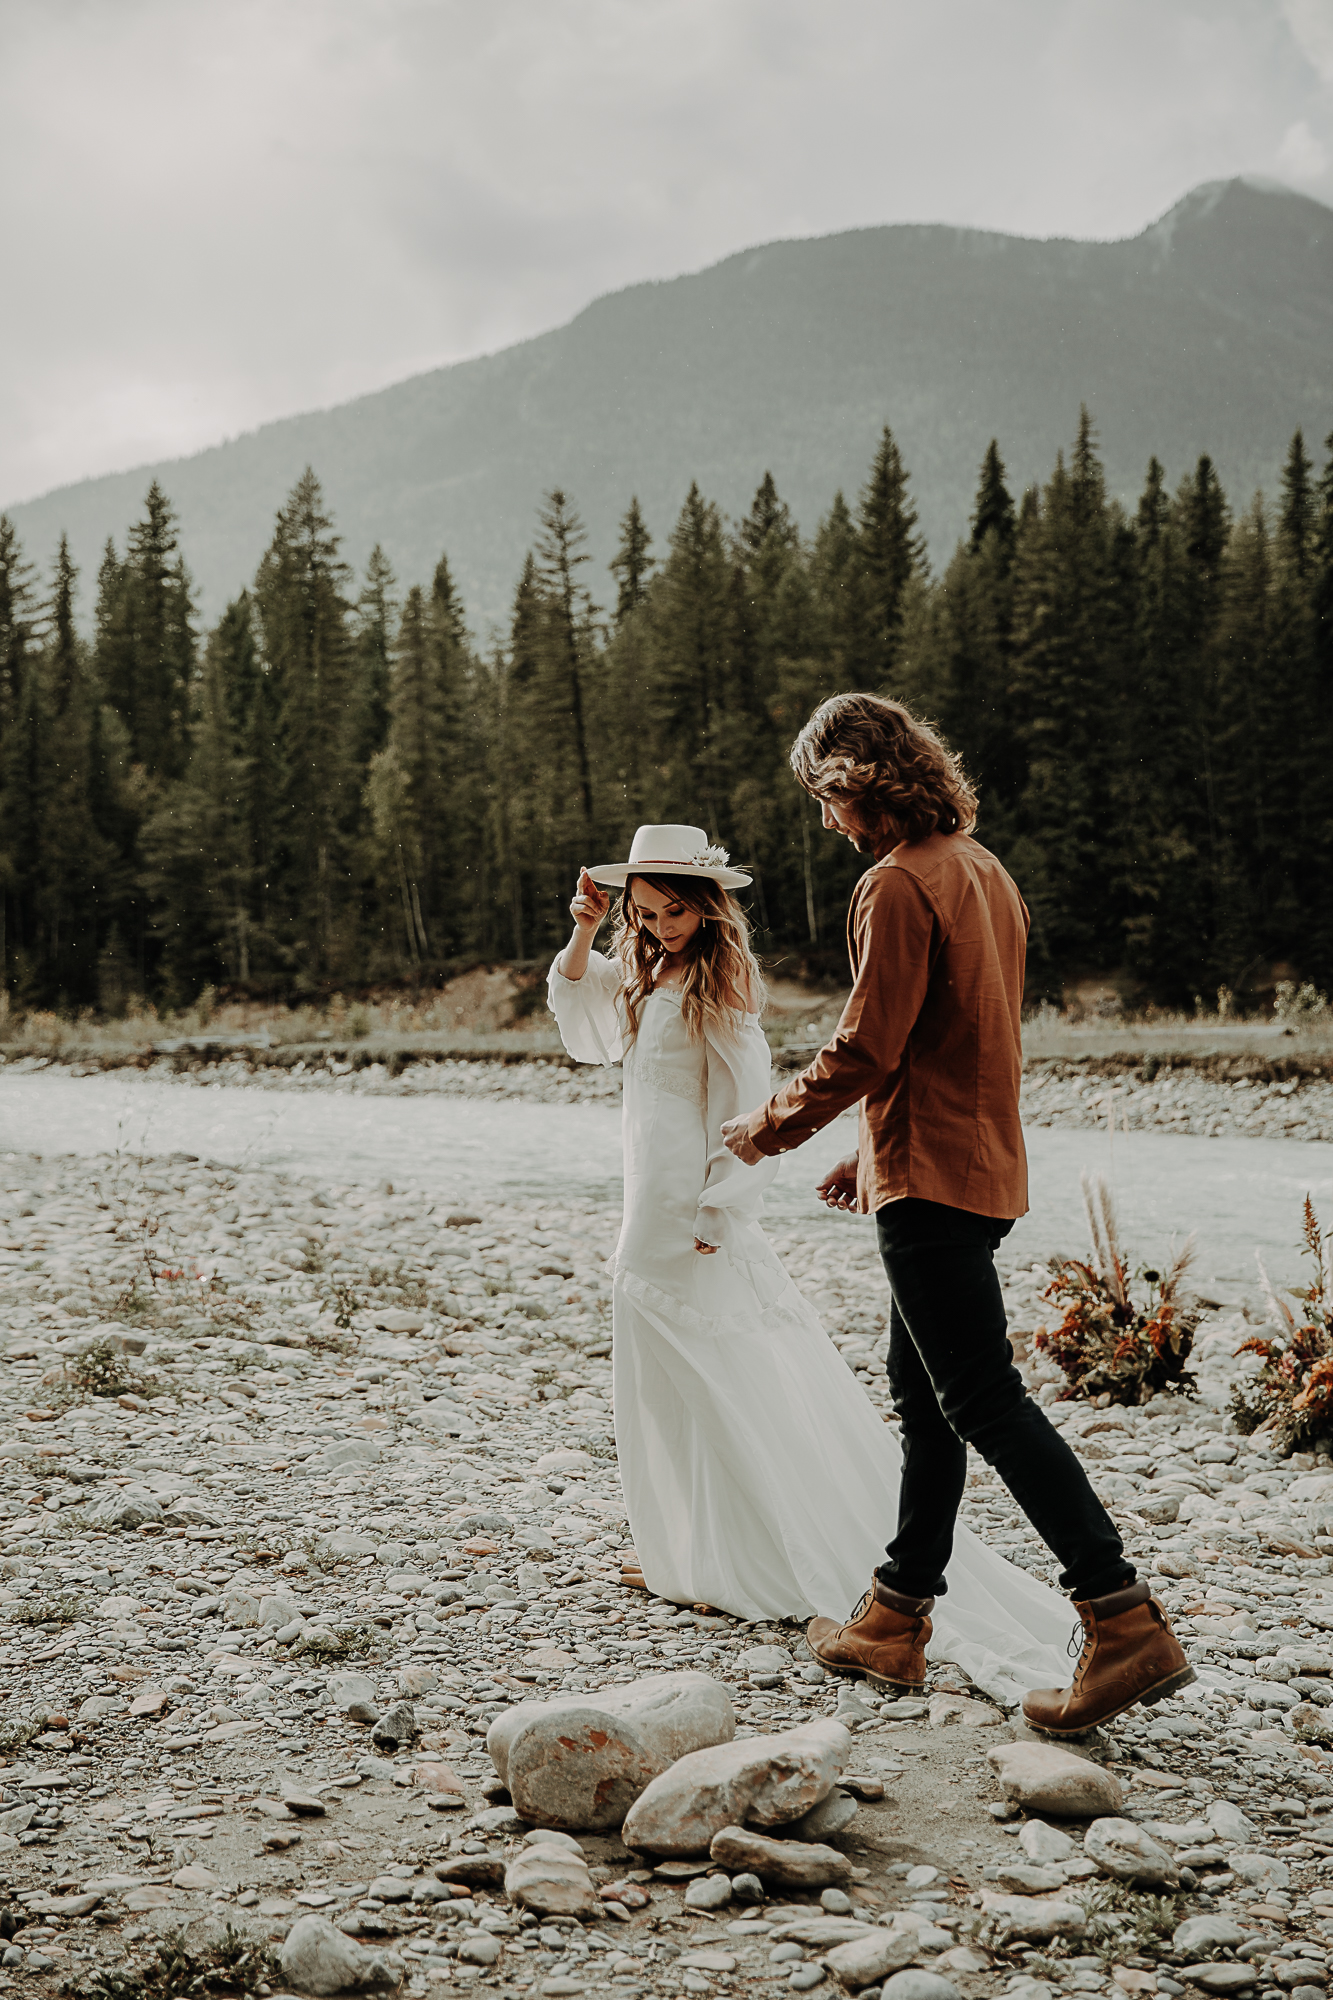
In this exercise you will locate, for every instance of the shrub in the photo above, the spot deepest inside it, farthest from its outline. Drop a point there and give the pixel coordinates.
(1291, 1397)
(1109, 1343)
(1299, 1003)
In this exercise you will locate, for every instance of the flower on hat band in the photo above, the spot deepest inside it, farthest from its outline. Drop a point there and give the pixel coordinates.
(712, 857)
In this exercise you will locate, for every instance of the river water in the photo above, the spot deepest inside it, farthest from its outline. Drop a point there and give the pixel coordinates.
(1238, 1194)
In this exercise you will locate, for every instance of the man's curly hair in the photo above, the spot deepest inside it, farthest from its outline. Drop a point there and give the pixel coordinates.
(888, 766)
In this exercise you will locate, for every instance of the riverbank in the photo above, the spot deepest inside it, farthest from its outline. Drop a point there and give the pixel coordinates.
(258, 1431)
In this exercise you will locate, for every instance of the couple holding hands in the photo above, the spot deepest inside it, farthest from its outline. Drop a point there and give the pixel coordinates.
(757, 1476)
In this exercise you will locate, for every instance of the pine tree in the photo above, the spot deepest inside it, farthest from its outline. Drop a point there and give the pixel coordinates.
(199, 844)
(690, 668)
(994, 510)
(1068, 677)
(1321, 594)
(412, 789)
(376, 616)
(16, 622)
(1298, 512)
(71, 879)
(64, 652)
(561, 551)
(835, 581)
(146, 647)
(768, 522)
(631, 565)
(957, 655)
(891, 553)
(304, 618)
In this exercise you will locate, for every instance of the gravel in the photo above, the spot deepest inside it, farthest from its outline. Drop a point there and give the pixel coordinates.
(392, 1421)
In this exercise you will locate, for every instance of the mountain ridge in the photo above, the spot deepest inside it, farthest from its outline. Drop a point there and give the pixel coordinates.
(1211, 330)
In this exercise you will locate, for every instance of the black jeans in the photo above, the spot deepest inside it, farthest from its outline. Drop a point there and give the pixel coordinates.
(954, 1384)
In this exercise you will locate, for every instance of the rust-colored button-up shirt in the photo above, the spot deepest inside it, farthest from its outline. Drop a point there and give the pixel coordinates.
(929, 1041)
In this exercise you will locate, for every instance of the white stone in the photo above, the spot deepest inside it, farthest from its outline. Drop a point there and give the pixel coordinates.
(1044, 1844)
(1207, 1930)
(1229, 1822)
(317, 1958)
(783, 1864)
(764, 1660)
(1043, 1778)
(864, 1960)
(582, 1760)
(1264, 1870)
(916, 1985)
(1123, 1849)
(762, 1780)
(553, 1881)
(240, 1608)
(1033, 1917)
(708, 1892)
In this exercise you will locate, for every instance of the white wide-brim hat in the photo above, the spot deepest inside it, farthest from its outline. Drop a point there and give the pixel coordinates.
(672, 850)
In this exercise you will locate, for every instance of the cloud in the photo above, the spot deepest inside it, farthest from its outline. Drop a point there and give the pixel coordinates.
(219, 214)
(1311, 23)
(1301, 155)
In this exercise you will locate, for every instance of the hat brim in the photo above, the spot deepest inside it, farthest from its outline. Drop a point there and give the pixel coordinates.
(615, 874)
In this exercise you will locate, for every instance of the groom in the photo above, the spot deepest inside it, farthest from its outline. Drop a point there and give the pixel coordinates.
(929, 1046)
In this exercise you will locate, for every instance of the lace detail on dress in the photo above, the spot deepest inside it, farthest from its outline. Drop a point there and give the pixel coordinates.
(661, 1076)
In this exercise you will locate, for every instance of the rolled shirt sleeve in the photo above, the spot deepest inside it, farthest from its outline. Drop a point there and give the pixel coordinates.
(893, 936)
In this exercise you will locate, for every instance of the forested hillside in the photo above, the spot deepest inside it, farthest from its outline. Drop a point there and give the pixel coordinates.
(1211, 330)
(334, 784)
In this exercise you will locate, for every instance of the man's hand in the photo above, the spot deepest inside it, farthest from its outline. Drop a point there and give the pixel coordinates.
(838, 1187)
(736, 1138)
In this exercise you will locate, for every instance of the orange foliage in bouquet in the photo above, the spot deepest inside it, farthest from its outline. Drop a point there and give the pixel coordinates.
(1291, 1397)
(1109, 1343)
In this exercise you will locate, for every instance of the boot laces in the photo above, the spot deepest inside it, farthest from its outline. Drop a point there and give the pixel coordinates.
(861, 1607)
(1079, 1645)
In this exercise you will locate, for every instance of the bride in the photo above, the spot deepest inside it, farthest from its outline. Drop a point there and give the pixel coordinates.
(757, 1476)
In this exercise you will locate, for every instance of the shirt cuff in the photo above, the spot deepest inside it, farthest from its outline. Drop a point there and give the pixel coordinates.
(765, 1134)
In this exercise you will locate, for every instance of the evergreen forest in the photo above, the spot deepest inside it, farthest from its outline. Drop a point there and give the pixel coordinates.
(339, 785)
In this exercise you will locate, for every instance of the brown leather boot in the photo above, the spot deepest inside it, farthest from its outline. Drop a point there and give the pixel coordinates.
(884, 1641)
(1129, 1654)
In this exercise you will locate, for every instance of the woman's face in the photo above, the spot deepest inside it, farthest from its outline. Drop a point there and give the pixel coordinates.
(663, 917)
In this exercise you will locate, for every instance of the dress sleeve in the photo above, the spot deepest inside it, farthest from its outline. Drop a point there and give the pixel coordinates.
(737, 1080)
(586, 1010)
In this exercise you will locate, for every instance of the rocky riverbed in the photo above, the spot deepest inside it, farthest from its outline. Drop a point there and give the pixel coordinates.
(304, 1486)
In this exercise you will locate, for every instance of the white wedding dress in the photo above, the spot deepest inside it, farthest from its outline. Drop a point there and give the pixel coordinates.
(757, 1476)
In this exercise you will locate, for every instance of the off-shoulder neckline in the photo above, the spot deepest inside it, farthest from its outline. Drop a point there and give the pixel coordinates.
(673, 993)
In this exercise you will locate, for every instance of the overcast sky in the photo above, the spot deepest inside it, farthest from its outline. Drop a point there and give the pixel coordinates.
(221, 211)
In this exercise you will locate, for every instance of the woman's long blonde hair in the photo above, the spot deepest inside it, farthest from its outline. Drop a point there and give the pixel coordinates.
(722, 982)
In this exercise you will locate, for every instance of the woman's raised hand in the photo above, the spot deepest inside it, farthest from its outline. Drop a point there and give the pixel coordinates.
(590, 904)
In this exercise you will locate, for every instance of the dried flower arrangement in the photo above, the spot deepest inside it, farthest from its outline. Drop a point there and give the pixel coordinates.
(1108, 1343)
(1291, 1397)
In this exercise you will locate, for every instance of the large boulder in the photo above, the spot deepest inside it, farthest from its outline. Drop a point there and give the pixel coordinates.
(316, 1958)
(779, 1864)
(865, 1961)
(578, 1763)
(1036, 1918)
(1042, 1778)
(767, 1780)
(1123, 1850)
